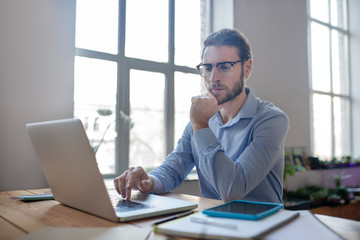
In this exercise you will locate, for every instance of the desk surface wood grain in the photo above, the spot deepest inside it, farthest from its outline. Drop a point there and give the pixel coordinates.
(18, 218)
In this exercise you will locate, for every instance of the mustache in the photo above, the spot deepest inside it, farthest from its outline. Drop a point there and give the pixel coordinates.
(215, 85)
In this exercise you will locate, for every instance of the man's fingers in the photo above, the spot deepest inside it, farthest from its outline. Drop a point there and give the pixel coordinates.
(133, 178)
(211, 94)
(128, 183)
(119, 183)
(116, 184)
(122, 180)
(204, 96)
(208, 95)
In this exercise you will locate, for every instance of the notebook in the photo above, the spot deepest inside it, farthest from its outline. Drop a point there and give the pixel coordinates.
(203, 226)
(71, 170)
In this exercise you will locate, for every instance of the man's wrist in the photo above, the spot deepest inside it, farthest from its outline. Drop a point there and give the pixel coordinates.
(152, 184)
(157, 184)
(196, 127)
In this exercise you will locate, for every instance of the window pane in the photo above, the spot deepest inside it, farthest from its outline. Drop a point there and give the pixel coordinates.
(319, 9)
(147, 137)
(320, 57)
(187, 33)
(338, 13)
(339, 63)
(97, 25)
(322, 129)
(342, 127)
(186, 86)
(147, 29)
(95, 89)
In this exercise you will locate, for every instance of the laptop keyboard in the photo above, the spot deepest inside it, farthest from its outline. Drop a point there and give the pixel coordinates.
(122, 205)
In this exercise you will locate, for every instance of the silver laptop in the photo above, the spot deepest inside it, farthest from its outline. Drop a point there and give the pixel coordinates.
(71, 170)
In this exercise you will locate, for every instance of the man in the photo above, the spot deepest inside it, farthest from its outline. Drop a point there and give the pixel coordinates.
(235, 140)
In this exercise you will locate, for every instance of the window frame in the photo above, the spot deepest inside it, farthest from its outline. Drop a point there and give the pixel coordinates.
(124, 65)
(331, 93)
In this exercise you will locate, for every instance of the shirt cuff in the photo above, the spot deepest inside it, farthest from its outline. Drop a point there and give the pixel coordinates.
(204, 138)
(157, 185)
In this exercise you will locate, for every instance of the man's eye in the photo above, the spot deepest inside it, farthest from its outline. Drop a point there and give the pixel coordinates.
(224, 67)
(208, 68)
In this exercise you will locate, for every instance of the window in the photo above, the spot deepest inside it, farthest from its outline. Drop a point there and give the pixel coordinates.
(330, 84)
(137, 57)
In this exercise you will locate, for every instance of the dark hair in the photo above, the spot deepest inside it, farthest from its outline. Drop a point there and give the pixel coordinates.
(231, 38)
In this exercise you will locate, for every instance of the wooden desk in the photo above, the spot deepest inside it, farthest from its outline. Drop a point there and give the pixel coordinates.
(349, 211)
(18, 218)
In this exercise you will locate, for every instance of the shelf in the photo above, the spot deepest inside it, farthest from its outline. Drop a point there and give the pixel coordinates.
(323, 177)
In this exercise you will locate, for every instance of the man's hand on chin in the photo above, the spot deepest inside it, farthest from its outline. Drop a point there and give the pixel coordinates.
(203, 107)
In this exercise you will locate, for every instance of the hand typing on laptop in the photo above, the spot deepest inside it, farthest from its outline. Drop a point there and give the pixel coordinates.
(64, 150)
(134, 178)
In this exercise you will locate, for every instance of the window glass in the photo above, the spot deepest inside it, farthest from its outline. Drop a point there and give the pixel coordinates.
(320, 57)
(187, 85)
(147, 29)
(330, 77)
(98, 76)
(338, 13)
(147, 137)
(97, 25)
(319, 9)
(94, 104)
(339, 63)
(322, 130)
(188, 33)
(342, 127)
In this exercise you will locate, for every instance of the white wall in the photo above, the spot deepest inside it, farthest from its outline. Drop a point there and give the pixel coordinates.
(277, 31)
(222, 14)
(36, 80)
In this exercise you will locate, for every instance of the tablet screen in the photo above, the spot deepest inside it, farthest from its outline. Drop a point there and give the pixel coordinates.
(243, 208)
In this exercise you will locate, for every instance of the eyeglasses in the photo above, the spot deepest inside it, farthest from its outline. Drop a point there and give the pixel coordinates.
(224, 68)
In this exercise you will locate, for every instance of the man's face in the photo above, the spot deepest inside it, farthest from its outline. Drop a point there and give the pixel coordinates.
(227, 86)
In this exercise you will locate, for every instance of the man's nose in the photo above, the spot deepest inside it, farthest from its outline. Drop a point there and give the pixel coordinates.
(214, 75)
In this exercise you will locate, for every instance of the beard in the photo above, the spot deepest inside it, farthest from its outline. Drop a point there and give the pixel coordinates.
(230, 94)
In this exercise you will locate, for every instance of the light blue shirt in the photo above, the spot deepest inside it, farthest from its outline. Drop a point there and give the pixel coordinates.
(242, 159)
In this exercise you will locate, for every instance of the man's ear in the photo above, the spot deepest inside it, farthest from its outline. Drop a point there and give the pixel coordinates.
(247, 68)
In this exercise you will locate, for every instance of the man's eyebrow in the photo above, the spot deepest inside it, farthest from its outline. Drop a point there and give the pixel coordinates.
(217, 63)
(224, 62)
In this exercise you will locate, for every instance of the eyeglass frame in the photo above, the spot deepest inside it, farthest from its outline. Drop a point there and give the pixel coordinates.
(217, 64)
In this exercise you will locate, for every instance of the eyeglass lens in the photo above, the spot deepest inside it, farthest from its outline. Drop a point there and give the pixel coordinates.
(223, 68)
